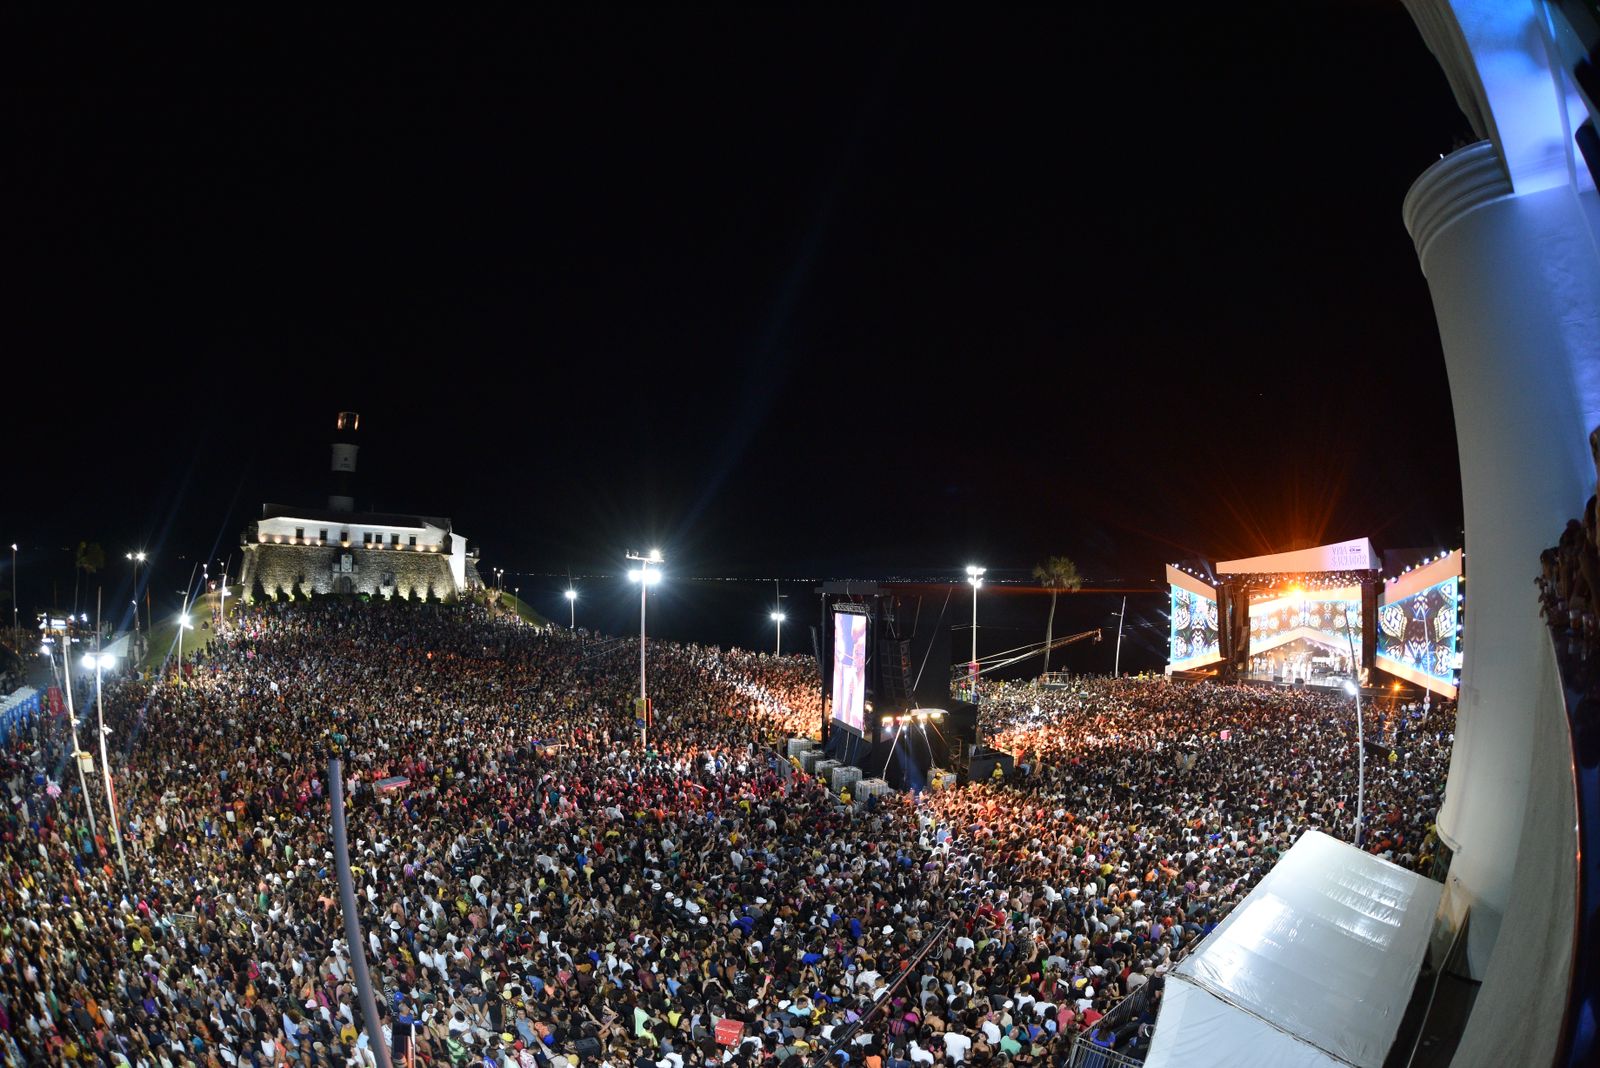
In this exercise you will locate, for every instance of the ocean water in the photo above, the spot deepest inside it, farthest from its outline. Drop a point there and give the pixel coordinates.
(735, 612)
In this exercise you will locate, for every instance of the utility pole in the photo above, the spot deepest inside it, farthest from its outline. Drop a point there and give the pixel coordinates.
(72, 717)
(1361, 741)
(1116, 672)
(105, 762)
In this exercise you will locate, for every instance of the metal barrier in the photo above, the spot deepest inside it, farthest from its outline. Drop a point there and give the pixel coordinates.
(1086, 1054)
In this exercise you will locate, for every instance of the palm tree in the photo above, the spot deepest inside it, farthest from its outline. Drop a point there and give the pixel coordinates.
(88, 559)
(1056, 574)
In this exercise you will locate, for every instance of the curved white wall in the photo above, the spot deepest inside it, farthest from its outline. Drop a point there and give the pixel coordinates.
(1515, 281)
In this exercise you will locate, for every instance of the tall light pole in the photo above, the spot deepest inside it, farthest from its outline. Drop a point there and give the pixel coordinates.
(1116, 670)
(72, 717)
(572, 608)
(101, 661)
(646, 576)
(974, 579)
(1354, 688)
(137, 558)
(16, 628)
(222, 593)
(778, 618)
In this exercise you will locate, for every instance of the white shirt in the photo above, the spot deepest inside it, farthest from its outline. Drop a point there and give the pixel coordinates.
(956, 1046)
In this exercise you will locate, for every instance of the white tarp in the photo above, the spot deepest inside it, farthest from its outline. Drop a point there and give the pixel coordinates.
(1314, 967)
(1192, 1022)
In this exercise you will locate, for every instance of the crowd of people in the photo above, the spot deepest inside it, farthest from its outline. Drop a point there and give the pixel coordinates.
(541, 881)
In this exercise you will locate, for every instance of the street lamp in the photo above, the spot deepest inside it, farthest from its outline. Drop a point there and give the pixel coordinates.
(184, 623)
(778, 618)
(137, 558)
(646, 576)
(78, 753)
(1361, 758)
(572, 608)
(101, 661)
(1354, 689)
(974, 579)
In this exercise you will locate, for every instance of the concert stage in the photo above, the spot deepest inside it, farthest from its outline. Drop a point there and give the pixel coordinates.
(1319, 617)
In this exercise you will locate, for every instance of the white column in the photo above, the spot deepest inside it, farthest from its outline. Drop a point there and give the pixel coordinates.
(1515, 281)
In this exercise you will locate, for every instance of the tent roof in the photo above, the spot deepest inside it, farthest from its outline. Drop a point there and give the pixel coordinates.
(1323, 953)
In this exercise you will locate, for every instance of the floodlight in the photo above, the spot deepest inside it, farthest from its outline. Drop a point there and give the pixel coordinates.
(655, 556)
(1349, 687)
(778, 617)
(572, 595)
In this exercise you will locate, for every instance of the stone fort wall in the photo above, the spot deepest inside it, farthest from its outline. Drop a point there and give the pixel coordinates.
(305, 569)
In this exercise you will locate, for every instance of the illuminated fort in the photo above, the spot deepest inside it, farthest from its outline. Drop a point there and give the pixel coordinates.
(295, 551)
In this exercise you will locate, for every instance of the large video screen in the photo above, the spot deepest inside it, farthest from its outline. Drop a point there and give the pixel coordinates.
(850, 670)
(1330, 618)
(1420, 632)
(1194, 629)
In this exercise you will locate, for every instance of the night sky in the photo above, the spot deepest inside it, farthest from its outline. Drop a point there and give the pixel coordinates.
(795, 294)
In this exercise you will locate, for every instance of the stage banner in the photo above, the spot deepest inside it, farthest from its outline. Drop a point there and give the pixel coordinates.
(1357, 555)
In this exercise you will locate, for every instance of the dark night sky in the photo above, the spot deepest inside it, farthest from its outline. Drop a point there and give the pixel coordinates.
(785, 293)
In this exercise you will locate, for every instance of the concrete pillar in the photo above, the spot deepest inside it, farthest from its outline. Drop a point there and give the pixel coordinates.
(1515, 281)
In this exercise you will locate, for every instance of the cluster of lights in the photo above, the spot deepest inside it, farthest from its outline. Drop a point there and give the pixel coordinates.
(1313, 580)
(916, 715)
(290, 539)
(1424, 562)
(644, 573)
(975, 575)
(56, 622)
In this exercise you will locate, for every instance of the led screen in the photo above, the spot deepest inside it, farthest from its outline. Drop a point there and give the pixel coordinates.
(1420, 631)
(1194, 629)
(1330, 618)
(850, 670)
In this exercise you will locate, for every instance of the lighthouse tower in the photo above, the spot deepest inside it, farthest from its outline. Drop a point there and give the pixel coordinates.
(344, 462)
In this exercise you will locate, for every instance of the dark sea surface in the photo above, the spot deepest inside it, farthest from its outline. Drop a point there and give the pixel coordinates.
(735, 612)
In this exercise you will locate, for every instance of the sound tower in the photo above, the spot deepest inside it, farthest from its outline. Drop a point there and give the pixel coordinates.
(1369, 619)
(894, 667)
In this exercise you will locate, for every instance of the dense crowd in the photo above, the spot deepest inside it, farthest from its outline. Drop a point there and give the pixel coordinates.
(540, 884)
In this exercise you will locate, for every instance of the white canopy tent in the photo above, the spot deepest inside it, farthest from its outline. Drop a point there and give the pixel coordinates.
(1314, 968)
